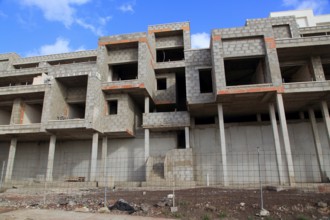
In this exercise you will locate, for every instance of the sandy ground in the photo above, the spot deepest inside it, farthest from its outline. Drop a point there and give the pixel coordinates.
(39, 214)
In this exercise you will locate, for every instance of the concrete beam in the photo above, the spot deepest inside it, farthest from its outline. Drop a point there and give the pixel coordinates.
(11, 159)
(187, 139)
(276, 142)
(317, 142)
(286, 140)
(95, 145)
(223, 144)
(51, 156)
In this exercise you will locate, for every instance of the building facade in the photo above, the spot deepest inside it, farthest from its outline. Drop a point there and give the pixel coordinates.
(145, 108)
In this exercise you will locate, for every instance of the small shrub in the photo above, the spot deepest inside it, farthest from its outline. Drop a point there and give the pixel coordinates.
(206, 217)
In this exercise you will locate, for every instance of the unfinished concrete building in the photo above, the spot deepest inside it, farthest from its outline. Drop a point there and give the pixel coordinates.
(144, 108)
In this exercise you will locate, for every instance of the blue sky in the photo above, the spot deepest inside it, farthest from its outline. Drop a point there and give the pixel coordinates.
(40, 27)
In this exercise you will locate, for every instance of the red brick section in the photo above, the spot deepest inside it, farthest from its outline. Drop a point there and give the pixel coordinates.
(130, 132)
(324, 188)
(125, 86)
(159, 30)
(270, 42)
(278, 89)
(216, 37)
(141, 39)
(186, 28)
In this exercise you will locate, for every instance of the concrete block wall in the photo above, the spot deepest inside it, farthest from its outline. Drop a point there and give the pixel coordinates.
(152, 29)
(76, 93)
(166, 119)
(236, 36)
(146, 72)
(169, 41)
(179, 165)
(123, 121)
(304, 41)
(67, 70)
(16, 113)
(253, 46)
(123, 55)
(6, 61)
(317, 68)
(169, 95)
(55, 57)
(101, 63)
(282, 31)
(122, 38)
(196, 60)
(315, 29)
(56, 106)
(94, 103)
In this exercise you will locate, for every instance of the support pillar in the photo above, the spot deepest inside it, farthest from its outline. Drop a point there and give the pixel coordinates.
(286, 140)
(325, 113)
(146, 144)
(94, 156)
(223, 145)
(146, 104)
(51, 156)
(146, 131)
(104, 157)
(187, 139)
(11, 158)
(317, 143)
(276, 142)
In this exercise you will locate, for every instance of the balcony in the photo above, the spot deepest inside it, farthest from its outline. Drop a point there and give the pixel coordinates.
(64, 123)
(20, 128)
(119, 125)
(166, 120)
(22, 89)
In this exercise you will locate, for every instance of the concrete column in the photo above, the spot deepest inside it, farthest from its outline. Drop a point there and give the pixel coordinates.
(325, 113)
(187, 139)
(146, 144)
(94, 156)
(317, 143)
(301, 115)
(223, 145)
(51, 156)
(286, 141)
(146, 104)
(317, 69)
(276, 142)
(104, 158)
(11, 158)
(259, 118)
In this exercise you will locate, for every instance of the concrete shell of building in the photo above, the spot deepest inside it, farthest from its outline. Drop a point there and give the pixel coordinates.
(146, 99)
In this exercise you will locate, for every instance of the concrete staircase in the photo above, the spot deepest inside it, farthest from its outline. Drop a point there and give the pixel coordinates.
(156, 175)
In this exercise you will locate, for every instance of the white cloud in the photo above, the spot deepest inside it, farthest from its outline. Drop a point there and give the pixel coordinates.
(200, 40)
(317, 5)
(56, 10)
(61, 45)
(96, 30)
(104, 20)
(127, 7)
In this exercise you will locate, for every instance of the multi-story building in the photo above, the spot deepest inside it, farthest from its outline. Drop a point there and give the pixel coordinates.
(143, 101)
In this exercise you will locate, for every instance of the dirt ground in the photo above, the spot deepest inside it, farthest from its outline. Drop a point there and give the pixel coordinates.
(198, 203)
